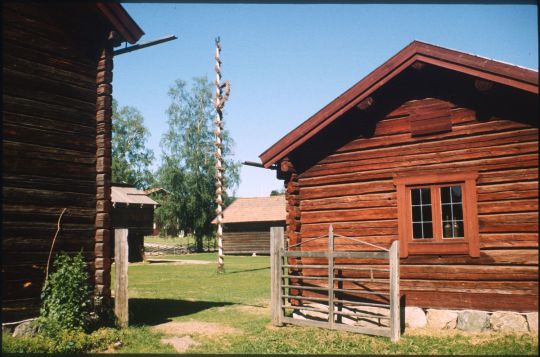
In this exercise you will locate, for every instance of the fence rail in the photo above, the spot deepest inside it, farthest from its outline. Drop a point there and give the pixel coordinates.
(341, 302)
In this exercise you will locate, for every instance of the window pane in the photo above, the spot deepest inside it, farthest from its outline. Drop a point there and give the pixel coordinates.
(415, 196)
(426, 196)
(458, 211)
(456, 193)
(445, 195)
(416, 213)
(428, 230)
(446, 212)
(426, 213)
(417, 230)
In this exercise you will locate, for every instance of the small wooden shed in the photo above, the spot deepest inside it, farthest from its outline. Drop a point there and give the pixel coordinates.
(247, 223)
(134, 211)
(436, 148)
(56, 150)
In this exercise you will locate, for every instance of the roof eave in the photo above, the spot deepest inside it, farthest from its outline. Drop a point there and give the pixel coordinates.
(121, 21)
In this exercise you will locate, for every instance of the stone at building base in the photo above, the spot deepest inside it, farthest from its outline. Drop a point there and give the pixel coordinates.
(415, 317)
(508, 322)
(532, 321)
(473, 321)
(441, 319)
(26, 329)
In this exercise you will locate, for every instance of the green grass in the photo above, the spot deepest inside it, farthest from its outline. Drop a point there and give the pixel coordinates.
(239, 298)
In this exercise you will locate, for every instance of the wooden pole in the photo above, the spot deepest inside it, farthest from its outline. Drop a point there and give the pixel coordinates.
(276, 250)
(395, 324)
(331, 321)
(222, 94)
(121, 276)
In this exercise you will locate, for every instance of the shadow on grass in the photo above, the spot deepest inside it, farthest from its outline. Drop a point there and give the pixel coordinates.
(158, 311)
(247, 270)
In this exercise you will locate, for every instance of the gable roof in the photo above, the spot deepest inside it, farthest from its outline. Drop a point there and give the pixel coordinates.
(499, 72)
(130, 195)
(255, 209)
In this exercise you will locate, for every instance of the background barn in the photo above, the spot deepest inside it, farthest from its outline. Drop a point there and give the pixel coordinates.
(247, 223)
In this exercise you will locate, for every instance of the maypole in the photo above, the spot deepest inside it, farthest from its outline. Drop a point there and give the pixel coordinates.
(222, 94)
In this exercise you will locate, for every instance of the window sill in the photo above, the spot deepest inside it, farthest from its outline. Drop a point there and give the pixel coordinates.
(438, 247)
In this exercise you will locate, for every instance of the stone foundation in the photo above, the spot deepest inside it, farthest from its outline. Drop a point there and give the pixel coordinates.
(437, 319)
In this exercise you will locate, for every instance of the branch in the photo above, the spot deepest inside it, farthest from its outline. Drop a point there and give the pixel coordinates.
(52, 245)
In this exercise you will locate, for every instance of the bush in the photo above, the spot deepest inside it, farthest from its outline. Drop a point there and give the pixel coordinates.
(66, 296)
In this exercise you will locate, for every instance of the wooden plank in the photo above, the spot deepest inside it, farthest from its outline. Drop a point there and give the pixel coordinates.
(338, 254)
(472, 300)
(342, 327)
(395, 326)
(121, 299)
(348, 215)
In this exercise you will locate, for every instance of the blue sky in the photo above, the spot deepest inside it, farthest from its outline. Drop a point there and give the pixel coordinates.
(287, 61)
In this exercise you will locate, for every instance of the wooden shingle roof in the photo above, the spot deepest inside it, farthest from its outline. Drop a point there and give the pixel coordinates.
(255, 209)
(130, 195)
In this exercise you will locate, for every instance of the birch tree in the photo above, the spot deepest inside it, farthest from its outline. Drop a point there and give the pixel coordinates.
(188, 163)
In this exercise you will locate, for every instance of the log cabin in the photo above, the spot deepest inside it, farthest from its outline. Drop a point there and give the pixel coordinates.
(57, 74)
(133, 210)
(435, 148)
(247, 222)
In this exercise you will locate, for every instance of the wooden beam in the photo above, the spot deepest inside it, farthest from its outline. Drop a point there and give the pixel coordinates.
(286, 165)
(418, 65)
(482, 85)
(366, 103)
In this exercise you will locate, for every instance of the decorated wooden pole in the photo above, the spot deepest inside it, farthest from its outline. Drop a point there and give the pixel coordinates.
(222, 94)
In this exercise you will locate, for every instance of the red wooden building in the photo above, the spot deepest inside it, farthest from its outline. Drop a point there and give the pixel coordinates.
(247, 222)
(57, 74)
(436, 148)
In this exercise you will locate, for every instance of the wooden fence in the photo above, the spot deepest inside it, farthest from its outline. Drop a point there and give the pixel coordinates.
(341, 308)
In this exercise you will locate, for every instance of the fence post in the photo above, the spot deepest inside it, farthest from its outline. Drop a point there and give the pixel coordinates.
(331, 276)
(276, 249)
(395, 324)
(121, 276)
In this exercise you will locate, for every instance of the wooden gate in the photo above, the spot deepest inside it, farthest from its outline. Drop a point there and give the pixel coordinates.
(339, 294)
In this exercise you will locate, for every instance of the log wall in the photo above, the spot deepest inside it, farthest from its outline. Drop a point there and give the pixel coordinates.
(352, 188)
(50, 55)
(248, 238)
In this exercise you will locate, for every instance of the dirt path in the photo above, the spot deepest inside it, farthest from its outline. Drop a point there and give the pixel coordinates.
(179, 333)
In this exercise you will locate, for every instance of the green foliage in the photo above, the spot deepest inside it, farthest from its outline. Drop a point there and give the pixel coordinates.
(66, 303)
(131, 159)
(187, 170)
(65, 341)
(277, 192)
